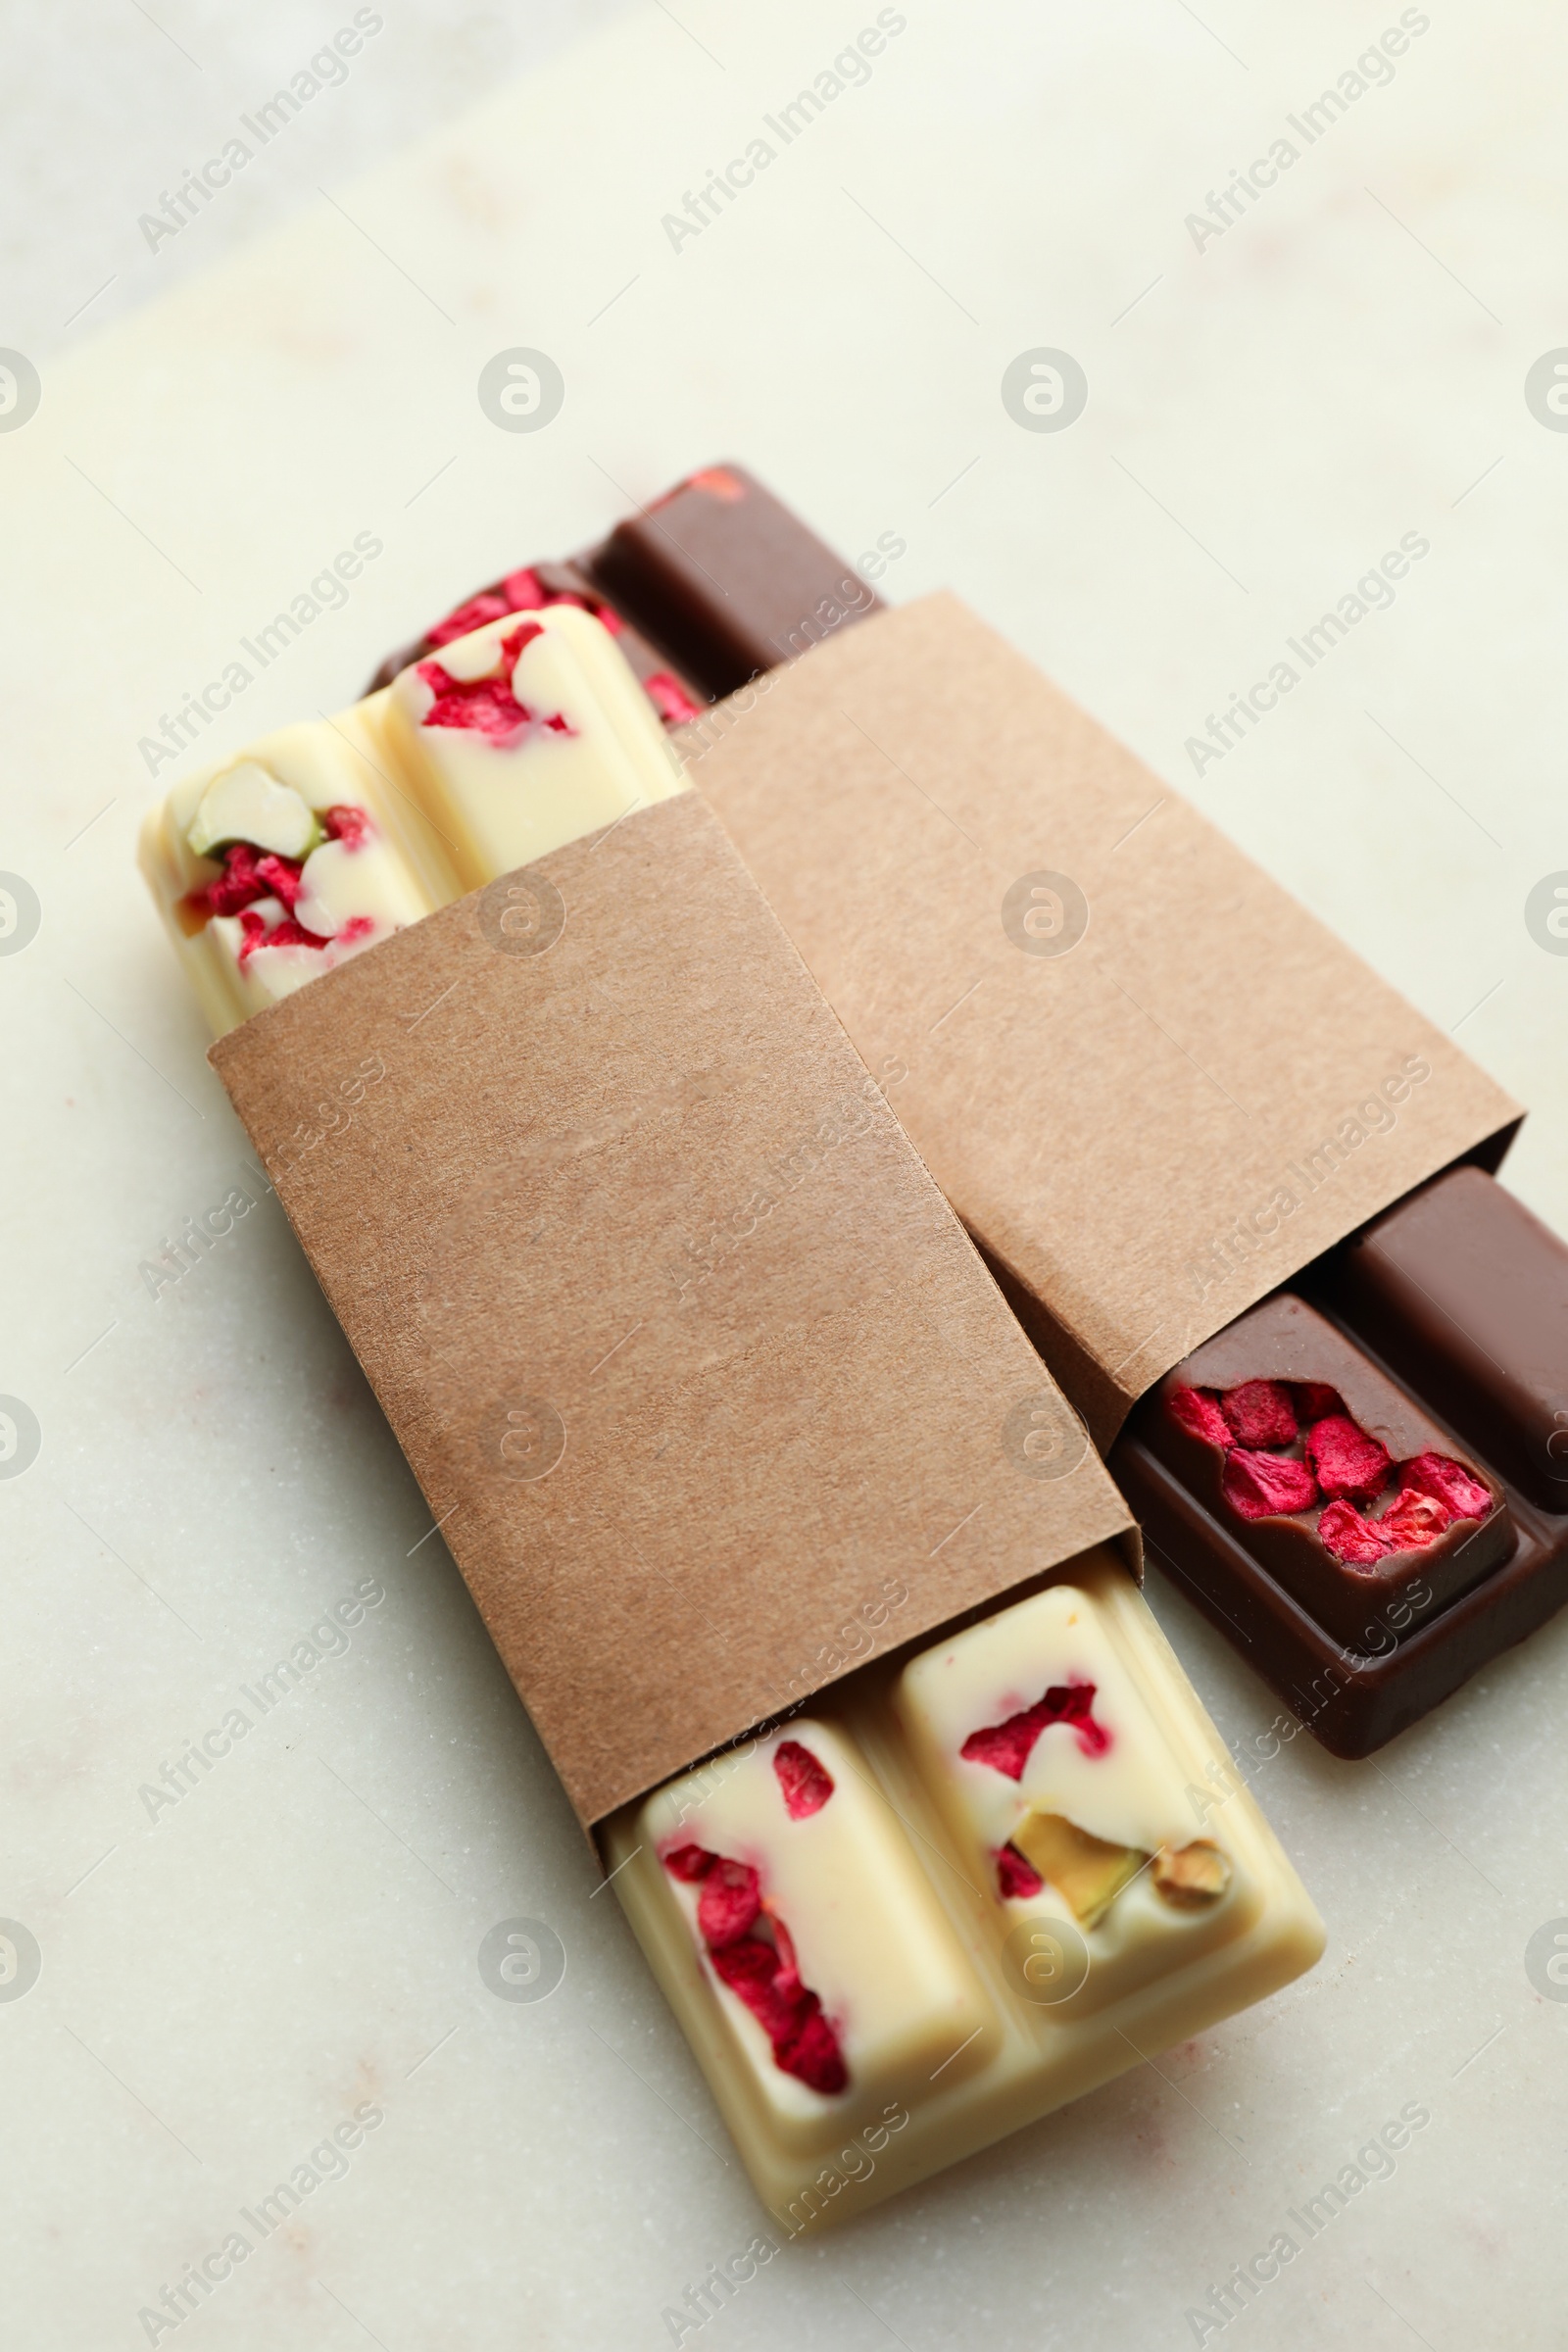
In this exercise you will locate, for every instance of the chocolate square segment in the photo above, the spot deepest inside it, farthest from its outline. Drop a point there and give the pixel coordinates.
(1327, 1472)
(528, 590)
(727, 579)
(1465, 1293)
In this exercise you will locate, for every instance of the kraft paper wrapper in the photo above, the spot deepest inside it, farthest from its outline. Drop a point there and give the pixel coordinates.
(688, 1353)
(1119, 1112)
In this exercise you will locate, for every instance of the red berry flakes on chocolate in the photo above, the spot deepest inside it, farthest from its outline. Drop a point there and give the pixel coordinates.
(764, 1975)
(807, 1784)
(1346, 1462)
(1259, 1413)
(1435, 1474)
(1006, 1746)
(689, 1862)
(1415, 1520)
(1196, 1410)
(350, 825)
(485, 704)
(731, 1898)
(1348, 1538)
(1018, 1879)
(1267, 1486)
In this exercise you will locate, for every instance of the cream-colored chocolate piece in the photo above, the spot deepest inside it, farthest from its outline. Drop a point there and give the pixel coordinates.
(583, 750)
(1066, 2006)
(901, 1998)
(353, 891)
(1112, 1775)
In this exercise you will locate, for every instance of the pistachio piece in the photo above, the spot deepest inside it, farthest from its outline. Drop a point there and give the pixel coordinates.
(247, 803)
(1085, 1870)
(1191, 1876)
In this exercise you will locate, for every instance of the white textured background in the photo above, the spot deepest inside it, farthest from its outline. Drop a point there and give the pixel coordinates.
(1346, 364)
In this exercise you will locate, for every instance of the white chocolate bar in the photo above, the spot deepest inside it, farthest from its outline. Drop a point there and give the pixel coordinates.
(526, 735)
(432, 808)
(1064, 2006)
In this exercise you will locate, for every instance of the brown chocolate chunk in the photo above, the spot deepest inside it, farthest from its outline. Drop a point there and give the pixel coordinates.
(1340, 1583)
(724, 576)
(1466, 1295)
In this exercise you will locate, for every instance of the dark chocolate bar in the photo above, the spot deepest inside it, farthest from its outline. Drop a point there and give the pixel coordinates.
(727, 579)
(1353, 1485)
(673, 697)
(1466, 1293)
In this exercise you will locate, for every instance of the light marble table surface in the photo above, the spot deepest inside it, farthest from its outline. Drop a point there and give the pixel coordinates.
(1270, 407)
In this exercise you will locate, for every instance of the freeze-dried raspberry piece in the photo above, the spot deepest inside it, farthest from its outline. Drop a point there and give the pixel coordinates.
(764, 1975)
(1345, 1535)
(731, 1898)
(789, 2013)
(253, 934)
(486, 704)
(789, 1968)
(520, 592)
(1415, 1520)
(1259, 1413)
(751, 1968)
(1072, 1704)
(807, 1784)
(1006, 1746)
(350, 825)
(239, 882)
(1196, 1410)
(288, 933)
(249, 874)
(811, 2050)
(804, 2042)
(471, 615)
(668, 698)
(1349, 1465)
(1449, 1481)
(689, 1862)
(282, 877)
(524, 591)
(1314, 1400)
(1016, 1877)
(1265, 1486)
